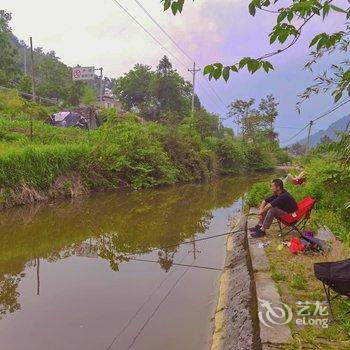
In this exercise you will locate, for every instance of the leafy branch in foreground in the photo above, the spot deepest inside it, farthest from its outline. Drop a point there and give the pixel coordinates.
(290, 21)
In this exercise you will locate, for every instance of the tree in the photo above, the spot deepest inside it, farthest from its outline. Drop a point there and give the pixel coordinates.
(292, 17)
(8, 69)
(89, 96)
(268, 110)
(255, 123)
(325, 140)
(170, 90)
(297, 148)
(54, 77)
(240, 110)
(161, 95)
(164, 67)
(133, 90)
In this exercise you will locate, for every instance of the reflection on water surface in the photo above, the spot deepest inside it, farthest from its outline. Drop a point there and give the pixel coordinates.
(108, 272)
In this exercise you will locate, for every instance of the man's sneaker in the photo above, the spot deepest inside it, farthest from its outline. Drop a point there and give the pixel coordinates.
(255, 228)
(258, 234)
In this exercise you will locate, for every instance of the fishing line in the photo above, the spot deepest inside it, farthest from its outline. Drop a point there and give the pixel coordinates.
(142, 306)
(179, 264)
(158, 306)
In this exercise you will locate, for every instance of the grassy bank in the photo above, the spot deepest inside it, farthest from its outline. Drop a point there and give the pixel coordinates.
(125, 151)
(328, 180)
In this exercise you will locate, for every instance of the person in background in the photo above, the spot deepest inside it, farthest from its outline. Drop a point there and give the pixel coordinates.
(279, 204)
(296, 180)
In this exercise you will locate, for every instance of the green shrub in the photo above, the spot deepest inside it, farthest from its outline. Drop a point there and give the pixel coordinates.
(256, 158)
(258, 192)
(131, 152)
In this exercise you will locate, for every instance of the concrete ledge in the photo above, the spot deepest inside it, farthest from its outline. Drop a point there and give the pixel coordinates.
(235, 321)
(277, 335)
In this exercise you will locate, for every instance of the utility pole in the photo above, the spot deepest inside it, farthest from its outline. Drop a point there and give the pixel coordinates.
(33, 85)
(25, 60)
(308, 136)
(101, 85)
(194, 71)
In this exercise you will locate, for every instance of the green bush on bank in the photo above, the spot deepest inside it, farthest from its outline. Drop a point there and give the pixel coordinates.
(124, 151)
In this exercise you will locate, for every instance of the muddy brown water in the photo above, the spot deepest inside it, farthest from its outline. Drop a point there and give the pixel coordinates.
(99, 274)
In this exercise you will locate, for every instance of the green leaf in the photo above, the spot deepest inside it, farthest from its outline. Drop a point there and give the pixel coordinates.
(316, 39)
(281, 16)
(234, 69)
(217, 73)
(326, 8)
(208, 69)
(167, 4)
(226, 73)
(338, 96)
(267, 66)
(243, 62)
(252, 9)
(175, 8)
(338, 9)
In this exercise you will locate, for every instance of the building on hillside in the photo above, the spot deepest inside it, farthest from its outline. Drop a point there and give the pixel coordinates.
(109, 100)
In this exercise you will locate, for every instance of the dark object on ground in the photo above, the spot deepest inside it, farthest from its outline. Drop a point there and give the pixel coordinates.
(316, 244)
(258, 233)
(297, 221)
(334, 276)
(85, 118)
(255, 228)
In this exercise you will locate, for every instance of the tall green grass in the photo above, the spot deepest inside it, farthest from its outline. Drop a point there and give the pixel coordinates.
(40, 165)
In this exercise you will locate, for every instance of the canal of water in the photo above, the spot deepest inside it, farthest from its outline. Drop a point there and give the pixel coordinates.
(110, 272)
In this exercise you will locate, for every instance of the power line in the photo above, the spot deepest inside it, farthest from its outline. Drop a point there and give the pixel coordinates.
(149, 33)
(163, 30)
(297, 134)
(214, 91)
(286, 127)
(178, 47)
(340, 104)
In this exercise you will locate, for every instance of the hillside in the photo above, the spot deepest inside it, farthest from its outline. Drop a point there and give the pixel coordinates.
(331, 132)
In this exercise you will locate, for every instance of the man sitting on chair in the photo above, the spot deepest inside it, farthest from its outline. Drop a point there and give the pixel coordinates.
(279, 204)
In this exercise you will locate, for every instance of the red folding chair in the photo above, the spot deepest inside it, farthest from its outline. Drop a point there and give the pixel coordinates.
(290, 222)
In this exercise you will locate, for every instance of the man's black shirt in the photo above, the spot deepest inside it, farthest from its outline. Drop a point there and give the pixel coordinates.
(284, 202)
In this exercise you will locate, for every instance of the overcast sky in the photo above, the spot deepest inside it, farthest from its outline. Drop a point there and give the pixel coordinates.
(99, 33)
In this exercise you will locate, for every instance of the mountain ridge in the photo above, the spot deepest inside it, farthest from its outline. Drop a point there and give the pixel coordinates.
(339, 125)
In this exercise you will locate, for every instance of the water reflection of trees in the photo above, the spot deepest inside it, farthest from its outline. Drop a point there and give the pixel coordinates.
(120, 225)
(9, 294)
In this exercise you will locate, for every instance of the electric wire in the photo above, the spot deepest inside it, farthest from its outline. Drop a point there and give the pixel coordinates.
(163, 30)
(337, 106)
(171, 39)
(149, 33)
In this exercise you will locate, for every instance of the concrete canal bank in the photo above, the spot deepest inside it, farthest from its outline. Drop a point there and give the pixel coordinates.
(246, 279)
